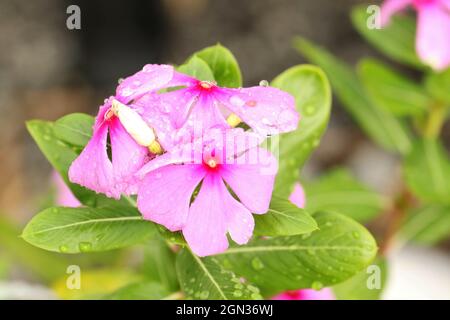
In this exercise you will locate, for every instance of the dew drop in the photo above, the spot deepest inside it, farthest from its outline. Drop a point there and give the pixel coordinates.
(356, 235)
(63, 249)
(264, 83)
(257, 264)
(85, 246)
(317, 285)
(119, 81)
(204, 295)
(310, 110)
(255, 296)
(237, 293)
(253, 288)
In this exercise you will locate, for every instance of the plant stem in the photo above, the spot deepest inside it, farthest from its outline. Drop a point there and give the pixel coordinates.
(396, 215)
(435, 120)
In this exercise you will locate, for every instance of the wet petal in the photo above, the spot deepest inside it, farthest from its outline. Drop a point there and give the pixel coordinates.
(92, 169)
(151, 78)
(266, 110)
(206, 224)
(252, 178)
(165, 194)
(127, 158)
(433, 40)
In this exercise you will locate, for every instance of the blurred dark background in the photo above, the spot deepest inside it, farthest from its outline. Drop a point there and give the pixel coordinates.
(47, 70)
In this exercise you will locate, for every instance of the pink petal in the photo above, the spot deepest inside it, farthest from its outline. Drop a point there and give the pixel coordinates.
(152, 77)
(266, 110)
(127, 158)
(252, 178)
(239, 219)
(306, 294)
(391, 7)
(92, 169)
(64, 197)
(297, 196)
(164, 195)
(433, 35)
(206, 225)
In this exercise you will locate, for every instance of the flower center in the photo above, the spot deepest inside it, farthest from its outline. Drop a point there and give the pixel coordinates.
(212, 163)
(206, 85)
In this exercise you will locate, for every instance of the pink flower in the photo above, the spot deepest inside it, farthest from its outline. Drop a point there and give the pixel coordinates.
(221, 159)
(297, 196)
(132, 128)
(266, 110)
(306, 294)
(433, 28)
(64, 197)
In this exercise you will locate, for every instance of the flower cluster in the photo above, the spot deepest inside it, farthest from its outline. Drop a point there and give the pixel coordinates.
(433, 28)
(172, 140)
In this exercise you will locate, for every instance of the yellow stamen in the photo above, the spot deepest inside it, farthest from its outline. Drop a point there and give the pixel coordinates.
(155, 148)
(212, 163)
(206, 84)
(233, 120)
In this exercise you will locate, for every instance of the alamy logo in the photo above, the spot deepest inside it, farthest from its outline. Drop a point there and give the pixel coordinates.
(73, 21)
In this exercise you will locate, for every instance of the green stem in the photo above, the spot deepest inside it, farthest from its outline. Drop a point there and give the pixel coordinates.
(435, 121)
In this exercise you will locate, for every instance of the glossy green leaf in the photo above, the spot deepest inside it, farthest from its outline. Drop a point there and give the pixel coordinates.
(438, 85)
(392, 91)
(427, 171)
(205, 278)
(283, 219)
(74, 129)
(339, 191)
(197, 68)
(427, 225)
(159, 264)
(363, 286)
(223, 65)
(338, 250)
(397, 40)
(140, 291)
(388, 131)
(311, 89)
(73, 230)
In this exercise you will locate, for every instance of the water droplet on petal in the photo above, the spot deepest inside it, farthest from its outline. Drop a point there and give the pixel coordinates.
(264, 83)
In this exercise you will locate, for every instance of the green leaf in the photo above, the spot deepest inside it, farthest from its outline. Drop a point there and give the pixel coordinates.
(311, 89)
(386, 130)
(197, 68)
(427, 225)
(171, 237)
(73, 230)
(397, 40)
(427, 171)
(283, 219)
(75, 128)
(223, 65)
(357, 287)
(392, 91)
(338, 250)
(339, 191)
(159, 264)
(438, 85)
(140, 291)
(205, 278)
